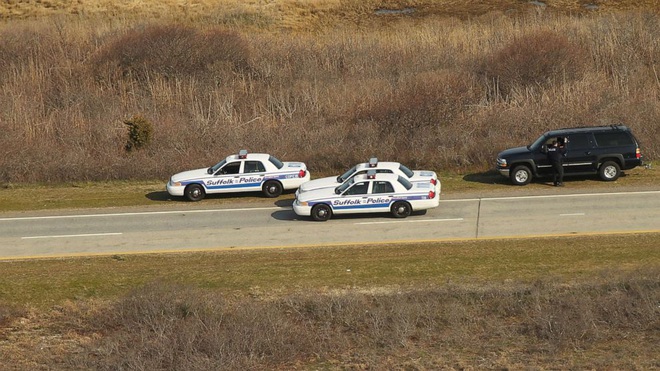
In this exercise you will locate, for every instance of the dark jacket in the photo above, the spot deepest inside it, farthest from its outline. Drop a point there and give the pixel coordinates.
(556, 153)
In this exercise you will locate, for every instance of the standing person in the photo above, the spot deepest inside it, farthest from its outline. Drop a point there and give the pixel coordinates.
(556, 154)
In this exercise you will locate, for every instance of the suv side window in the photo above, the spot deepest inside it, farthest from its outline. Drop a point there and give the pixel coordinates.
(579, 141)
(613, 139)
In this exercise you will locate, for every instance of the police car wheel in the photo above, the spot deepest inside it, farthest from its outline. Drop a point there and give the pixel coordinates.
(272, 188)
(609, 171)
(521, 175)
(194, 192)
(321, 212)
(401, 209)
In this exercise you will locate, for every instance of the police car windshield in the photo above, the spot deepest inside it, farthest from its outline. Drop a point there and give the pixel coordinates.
(347, 174)
(409, 173)
(344, 186)
(217, 166)
(278, 164)
(405, 182)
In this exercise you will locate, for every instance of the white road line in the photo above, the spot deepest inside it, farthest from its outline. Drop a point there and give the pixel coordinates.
(72, 235)
(142, 213)
(412, 221)
(573, 214)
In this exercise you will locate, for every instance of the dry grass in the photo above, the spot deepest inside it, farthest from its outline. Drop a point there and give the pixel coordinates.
(522, 303)
(437, 93)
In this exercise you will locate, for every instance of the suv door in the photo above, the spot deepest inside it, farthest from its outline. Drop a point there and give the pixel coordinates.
(580, 153)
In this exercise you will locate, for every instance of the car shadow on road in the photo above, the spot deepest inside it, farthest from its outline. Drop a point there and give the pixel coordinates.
(487, 177)
(283, 201)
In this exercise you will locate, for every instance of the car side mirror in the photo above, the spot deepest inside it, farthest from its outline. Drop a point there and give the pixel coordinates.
(544, 149)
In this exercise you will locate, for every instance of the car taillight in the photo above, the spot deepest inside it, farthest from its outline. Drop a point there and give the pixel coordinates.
(431, 195)
(434, 181)
(638, 153)
(302, 173)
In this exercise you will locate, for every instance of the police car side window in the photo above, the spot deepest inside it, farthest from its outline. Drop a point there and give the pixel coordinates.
(382, 187)
(254, 167)
(358, 189)
(231, 168)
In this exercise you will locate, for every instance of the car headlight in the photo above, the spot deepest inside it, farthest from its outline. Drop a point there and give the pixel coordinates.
(501, 162)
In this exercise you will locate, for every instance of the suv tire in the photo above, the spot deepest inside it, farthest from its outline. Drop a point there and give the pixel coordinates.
(609, 171)
(521, 175)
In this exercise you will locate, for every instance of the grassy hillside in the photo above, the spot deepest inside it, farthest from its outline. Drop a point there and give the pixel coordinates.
(329, 83)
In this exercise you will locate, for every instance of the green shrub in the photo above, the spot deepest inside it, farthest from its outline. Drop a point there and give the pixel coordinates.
(140, 132)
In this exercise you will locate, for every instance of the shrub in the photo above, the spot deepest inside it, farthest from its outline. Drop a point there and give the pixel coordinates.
(171, 50)
(537, 59)
(140, 132)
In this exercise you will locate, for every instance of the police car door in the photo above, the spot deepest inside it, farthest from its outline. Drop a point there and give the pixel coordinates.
(353, 200)
(226, 179)
(252, 175)
(381, 195)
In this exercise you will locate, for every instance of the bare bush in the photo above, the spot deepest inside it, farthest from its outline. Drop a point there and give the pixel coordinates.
(537, 59)
(164, 326)
(169, 50)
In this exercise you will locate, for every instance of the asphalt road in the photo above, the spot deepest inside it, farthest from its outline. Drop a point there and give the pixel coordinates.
(105, 232)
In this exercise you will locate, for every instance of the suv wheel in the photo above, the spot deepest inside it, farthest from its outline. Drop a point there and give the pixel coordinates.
(609, 171)
(521, 175)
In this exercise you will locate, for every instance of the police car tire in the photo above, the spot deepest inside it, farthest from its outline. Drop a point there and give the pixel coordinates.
(401, 209)
(272, 188)
(609, 171)
(321, 212)
(194, 192)
(521, 175)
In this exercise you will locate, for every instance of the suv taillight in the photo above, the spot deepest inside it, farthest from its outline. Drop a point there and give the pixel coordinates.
(638, 153)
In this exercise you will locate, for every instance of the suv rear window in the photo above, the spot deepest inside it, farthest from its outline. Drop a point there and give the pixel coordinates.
(614, 139)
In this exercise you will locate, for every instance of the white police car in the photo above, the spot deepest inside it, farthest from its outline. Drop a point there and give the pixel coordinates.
(244, 172)
(368, 193)
(373, 164)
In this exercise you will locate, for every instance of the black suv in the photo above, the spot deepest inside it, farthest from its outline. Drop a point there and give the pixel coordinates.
(605, 150)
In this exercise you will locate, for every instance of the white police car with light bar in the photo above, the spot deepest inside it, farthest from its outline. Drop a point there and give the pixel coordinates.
(373, 164)
(243, 172)
(369, 193)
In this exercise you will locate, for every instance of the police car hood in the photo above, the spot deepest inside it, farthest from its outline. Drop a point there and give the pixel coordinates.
(328, 182)
(317, 194)
(190, 174)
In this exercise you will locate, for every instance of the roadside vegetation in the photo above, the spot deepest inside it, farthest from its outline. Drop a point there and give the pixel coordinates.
(101, 101)
(426, 89)
(549, 303)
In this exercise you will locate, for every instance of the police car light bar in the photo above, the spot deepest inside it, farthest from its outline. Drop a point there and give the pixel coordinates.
(373, 162)
(371, 174)
(242, 153)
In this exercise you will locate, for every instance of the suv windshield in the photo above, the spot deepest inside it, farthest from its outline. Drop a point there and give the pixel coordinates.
(539, 142)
